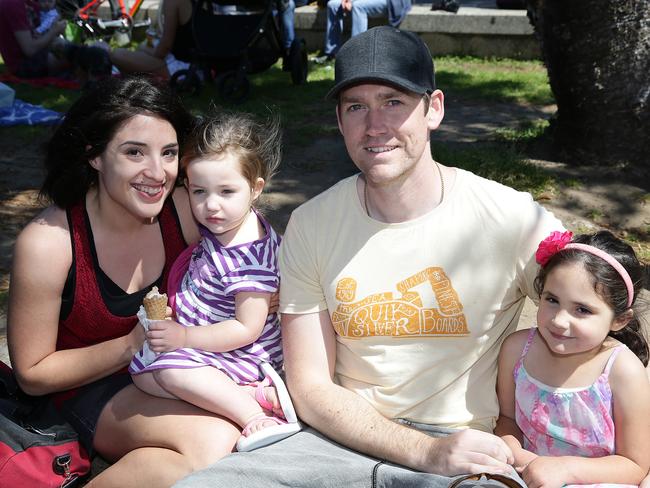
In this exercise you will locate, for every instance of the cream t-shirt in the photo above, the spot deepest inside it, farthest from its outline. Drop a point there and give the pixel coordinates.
(420, 308)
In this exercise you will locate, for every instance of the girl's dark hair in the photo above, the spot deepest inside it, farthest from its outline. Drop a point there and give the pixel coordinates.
(256, 144)
(91, 123)
(608, 283)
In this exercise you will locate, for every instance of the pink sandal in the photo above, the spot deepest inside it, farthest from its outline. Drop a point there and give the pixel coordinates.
(260, 397)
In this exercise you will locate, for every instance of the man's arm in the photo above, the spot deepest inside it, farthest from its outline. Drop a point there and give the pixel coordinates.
(310, 356)
(30, 45)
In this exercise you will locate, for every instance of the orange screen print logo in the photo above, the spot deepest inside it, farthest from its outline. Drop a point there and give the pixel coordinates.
(383, 314)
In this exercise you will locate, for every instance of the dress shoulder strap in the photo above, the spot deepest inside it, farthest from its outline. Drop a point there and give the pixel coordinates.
(529, 341)
(612, 358)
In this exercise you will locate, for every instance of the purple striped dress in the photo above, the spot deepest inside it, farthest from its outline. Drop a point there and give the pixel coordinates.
(206, 295)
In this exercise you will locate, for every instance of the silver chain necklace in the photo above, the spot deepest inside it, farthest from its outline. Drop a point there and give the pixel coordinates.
(442, 189)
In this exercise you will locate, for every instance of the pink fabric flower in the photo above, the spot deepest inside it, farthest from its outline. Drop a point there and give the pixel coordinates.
(551, 245)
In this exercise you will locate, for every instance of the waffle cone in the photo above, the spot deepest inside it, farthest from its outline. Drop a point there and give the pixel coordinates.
(155, 305)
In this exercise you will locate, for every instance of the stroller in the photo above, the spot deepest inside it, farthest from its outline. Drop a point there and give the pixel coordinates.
(234, 38)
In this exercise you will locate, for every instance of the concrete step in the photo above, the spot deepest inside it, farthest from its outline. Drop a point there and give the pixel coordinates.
(479, 28)
(473, 31)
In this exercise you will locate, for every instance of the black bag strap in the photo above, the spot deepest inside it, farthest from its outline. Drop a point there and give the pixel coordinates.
(14, 402)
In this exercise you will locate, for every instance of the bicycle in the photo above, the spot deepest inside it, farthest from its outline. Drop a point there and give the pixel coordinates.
(97, 23)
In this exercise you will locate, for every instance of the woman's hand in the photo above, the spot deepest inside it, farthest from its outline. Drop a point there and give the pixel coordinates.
(166, 335)
(136, 338)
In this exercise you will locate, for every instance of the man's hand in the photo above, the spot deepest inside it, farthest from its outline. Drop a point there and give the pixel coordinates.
(470, 452)
(346, 5)
(166, 335)
(521, 455)
(545, 472)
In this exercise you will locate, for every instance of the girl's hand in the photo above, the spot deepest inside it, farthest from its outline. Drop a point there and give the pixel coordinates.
(545, 472)
(166, 335)
(522, 456)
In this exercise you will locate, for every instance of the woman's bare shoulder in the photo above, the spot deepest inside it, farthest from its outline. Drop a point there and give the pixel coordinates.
(46, 235)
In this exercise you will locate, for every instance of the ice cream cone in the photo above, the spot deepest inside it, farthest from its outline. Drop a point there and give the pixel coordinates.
(155, 304)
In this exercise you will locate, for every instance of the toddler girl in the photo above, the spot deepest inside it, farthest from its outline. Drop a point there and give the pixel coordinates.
(573, 392)
(224, 285)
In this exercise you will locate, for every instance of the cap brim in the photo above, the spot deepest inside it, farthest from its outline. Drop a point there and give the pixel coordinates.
(380, 79)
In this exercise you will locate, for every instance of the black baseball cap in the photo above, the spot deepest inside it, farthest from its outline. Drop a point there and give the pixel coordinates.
(384, 54)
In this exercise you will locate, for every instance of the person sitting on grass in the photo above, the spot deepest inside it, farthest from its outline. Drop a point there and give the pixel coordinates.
(26, 52)
(80, 271)
(398, 286)
(169, 48)
(573, 391)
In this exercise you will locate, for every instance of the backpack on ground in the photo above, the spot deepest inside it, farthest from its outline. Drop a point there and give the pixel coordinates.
(38, 448)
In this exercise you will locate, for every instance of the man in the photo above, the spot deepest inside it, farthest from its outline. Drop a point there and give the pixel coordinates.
(26, 53)
(360, 10)
(398, 286)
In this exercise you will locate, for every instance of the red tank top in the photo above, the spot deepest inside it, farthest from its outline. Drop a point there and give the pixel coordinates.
(90, 321)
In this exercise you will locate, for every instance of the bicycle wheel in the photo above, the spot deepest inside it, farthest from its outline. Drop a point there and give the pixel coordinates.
(97, 19)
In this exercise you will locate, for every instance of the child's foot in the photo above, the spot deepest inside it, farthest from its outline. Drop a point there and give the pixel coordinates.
(262, 430)
(258, 423)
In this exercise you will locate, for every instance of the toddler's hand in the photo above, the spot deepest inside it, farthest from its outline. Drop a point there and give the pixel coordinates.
(545, 472)
(166, 335)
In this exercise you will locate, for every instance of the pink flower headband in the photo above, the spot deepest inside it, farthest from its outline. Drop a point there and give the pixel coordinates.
(558, 241)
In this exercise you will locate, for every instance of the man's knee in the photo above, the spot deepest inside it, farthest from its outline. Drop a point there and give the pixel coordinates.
(333, 5)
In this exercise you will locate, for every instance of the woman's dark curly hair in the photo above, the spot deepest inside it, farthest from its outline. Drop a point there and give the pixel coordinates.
(607, 282)
(92, 122)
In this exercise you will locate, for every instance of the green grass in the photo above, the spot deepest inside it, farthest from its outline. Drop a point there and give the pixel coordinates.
(526, 132)
(495, 79)
(307, 114)
(49, 97)
(503, 164)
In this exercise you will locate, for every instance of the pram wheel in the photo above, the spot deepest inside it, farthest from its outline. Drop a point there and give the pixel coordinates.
(185, 81)
(298, 63)
(233, 86)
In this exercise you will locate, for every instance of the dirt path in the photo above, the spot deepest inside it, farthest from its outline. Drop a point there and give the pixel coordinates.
(596, 197)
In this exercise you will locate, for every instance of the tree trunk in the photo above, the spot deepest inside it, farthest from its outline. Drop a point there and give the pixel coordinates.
(597, 53)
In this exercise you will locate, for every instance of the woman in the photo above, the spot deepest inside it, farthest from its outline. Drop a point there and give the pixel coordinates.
(81, 269)
(167, 54)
